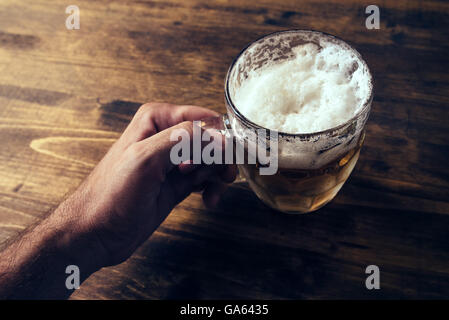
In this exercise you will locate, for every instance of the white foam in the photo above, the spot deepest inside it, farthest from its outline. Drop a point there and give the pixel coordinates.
(317, 85)
(320, 87)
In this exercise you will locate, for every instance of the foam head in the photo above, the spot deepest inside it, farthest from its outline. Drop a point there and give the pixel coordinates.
(320, 85)
(302, 82)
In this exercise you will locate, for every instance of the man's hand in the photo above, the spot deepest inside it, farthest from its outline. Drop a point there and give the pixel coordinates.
(135, 186)
(125, 198)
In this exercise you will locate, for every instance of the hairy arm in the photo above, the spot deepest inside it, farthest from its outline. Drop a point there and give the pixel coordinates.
(33, 265)
(120, 204)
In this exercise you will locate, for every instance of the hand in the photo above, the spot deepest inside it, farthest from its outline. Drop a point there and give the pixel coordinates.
(125, 198)
(135, 186)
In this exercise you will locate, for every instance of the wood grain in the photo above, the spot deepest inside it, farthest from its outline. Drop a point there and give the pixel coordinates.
(65, 96)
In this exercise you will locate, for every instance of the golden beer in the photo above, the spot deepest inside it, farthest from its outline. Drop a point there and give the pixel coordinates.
(315, 92)
(301, 191)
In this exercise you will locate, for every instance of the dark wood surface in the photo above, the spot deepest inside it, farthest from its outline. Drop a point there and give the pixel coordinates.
(65, 96)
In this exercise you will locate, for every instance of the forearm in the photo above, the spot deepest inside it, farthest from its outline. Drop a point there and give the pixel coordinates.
(33, 266)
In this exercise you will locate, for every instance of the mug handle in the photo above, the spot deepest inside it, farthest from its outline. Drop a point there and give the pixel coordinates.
(220, 123)
(223, 125)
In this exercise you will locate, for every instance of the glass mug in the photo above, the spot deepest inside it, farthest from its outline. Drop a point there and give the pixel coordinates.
(322, 160)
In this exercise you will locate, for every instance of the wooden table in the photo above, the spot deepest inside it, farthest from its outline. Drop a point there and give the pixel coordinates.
(66, 95)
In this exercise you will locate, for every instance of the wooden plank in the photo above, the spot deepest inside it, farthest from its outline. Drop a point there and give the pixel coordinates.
(65, 96)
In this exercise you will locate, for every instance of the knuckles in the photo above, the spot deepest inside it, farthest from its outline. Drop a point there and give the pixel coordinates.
(144, 119)
(147, 107)
(185, 125)
(146, 112)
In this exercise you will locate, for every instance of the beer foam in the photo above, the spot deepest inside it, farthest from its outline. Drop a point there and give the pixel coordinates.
(302, 82)
(321, 86)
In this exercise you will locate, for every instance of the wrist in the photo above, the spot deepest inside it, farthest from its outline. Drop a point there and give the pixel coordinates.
(34, 265)
(73, 240)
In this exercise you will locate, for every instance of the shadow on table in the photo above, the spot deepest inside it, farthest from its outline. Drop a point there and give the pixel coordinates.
(245, 250)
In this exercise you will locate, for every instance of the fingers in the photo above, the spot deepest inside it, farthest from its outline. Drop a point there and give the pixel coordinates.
(212, 193)
(187, 166)
(173, 116)
(180, 184)
(152, 118)
(213, 181)
(229, 174)
(165, 115)
(164, 148)
(156, 153)
(158, 149)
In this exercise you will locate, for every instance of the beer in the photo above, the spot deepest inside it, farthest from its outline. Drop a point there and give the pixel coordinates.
(316, 92)
(302, 190)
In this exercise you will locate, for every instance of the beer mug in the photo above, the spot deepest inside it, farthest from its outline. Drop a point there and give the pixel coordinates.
(311, 167)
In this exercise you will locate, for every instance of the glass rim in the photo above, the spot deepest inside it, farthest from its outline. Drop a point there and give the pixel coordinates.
(365, 107)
